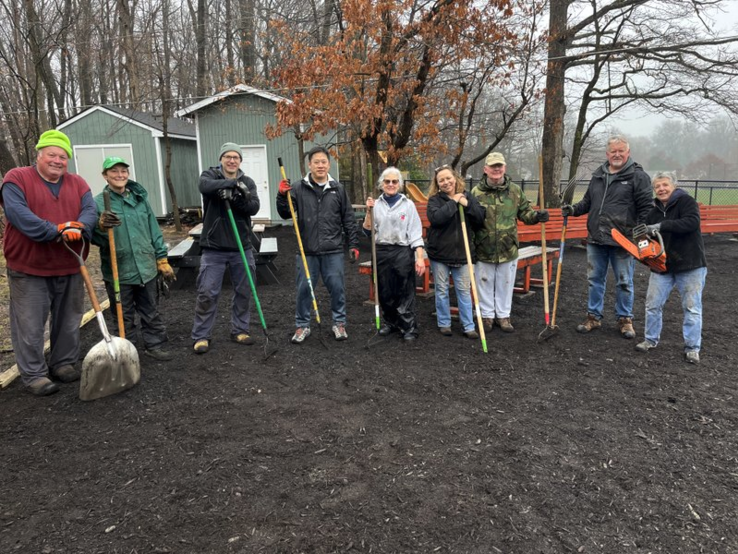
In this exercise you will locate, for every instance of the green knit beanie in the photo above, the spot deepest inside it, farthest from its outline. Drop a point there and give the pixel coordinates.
(230, 147)
(55, 138)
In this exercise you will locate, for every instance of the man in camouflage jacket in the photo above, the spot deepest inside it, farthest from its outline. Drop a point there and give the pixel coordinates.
(496, 242)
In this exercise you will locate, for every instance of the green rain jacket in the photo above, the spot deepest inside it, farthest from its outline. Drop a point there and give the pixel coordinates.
(497, 241)
(138, 240)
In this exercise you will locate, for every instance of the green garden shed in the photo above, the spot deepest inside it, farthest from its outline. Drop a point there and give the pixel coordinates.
(137, 137)
(240, 115)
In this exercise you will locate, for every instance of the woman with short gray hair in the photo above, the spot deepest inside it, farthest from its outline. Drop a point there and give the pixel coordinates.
(676, 216)
(398, 233)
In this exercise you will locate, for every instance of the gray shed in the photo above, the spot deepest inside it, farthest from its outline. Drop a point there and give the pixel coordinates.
(137, 137)
(240, 115)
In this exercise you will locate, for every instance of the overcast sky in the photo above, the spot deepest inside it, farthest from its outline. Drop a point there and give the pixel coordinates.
(636, 122)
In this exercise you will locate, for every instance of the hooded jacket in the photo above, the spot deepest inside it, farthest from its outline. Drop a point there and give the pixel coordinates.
(138, 240)
(680, 229)
(615, 200)
(445, 236)
(496, 241)
(217, 232)
(322, 216)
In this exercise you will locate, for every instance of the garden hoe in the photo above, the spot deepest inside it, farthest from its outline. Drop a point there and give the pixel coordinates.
(369, 343)
(267, 352)
(112, 365)
(473, 281)
(566, 198)
(302, 255)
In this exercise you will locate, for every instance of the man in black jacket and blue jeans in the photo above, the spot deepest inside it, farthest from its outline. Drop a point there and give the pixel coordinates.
(324, 214)
(220, 249)
(618, 196)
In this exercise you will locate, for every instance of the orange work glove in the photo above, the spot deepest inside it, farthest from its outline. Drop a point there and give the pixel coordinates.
(284, 186)
(162, 264)
(71, 230)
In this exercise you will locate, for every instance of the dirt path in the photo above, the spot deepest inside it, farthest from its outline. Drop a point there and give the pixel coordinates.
(578, 444)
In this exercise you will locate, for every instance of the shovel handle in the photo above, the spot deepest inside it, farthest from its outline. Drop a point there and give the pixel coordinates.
(114, 267)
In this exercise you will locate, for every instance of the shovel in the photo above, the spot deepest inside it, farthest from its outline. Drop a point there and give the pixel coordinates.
(114, 267)
(111, 366)
(467, 248)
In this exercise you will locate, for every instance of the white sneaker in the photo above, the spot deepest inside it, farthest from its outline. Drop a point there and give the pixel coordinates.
(645, 346)
(692, 357)
(339, 331)
(300, 335)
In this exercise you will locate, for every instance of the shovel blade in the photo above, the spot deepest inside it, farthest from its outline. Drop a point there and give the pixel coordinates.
(104, 374)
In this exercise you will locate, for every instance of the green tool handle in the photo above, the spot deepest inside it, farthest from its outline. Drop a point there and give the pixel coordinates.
(480, 323)
(246, 265)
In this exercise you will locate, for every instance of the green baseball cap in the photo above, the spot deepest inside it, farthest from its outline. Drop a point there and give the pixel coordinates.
(110, 161)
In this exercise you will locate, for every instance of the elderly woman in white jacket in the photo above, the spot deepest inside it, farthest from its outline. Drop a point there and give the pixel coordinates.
(400, 254)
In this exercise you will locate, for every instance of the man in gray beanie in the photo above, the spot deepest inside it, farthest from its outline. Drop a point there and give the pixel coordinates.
(218, 184)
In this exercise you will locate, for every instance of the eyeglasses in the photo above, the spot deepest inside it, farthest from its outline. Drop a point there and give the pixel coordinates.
(441, 168)
(231, 158)
(392, 181)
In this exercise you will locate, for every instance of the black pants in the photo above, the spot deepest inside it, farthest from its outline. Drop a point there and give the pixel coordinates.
(139, 299)
(396, 283)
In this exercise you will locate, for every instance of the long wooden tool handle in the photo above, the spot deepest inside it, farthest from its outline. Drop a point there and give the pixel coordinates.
(558, 272)
(299, 244)
(544, 256)
(114, 266)
(374, 269)
(480, 323)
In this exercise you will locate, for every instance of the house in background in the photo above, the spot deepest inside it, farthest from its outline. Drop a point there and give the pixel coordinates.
(138, 138)
(240, 115)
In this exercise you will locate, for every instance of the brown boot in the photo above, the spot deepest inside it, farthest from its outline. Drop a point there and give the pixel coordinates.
(590, 324)
(626, 327)
(488, 323)
(505, 325)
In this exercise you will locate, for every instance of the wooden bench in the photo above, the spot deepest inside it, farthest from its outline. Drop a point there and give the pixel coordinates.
(719, 219)
(186, 256)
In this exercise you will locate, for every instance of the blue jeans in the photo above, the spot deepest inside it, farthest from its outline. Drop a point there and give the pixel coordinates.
(690, 285)
(209, 282)
(462, 285)
(329, 267)
(599, 257)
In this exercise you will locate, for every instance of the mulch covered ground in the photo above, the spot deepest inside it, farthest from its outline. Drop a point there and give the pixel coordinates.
(577, 444)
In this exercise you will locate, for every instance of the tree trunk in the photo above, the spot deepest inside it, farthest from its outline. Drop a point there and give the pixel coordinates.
(166, 114)
(127, 24)
(230, 58)
(555, 104)
(248, 48)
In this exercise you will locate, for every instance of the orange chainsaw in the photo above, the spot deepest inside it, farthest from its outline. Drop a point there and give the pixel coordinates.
(647, 250)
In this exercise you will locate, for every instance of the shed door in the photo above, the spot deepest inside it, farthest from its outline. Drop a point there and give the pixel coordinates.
(255, 166)
(88, 161)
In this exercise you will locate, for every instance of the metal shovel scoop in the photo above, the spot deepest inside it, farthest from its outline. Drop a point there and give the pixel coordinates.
(112, 365)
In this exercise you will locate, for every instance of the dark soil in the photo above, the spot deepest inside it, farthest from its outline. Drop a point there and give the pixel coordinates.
(577, 444)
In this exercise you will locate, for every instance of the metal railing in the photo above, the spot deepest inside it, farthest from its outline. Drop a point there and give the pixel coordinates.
(707, 192)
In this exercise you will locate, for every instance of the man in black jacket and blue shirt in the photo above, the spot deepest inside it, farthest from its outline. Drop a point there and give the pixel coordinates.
(618, 196)
(324, 214)
(218, 184)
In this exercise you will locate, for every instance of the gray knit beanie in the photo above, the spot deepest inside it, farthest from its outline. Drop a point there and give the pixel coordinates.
(230, 147)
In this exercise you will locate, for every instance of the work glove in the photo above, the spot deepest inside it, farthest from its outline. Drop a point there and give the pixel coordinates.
(244, 191)
(225, 194)
(643, 229)
(284, 187)
(167, 273)
(70, 231)
(108, 220)
(353, 255)
(567, 210)
(542, 216)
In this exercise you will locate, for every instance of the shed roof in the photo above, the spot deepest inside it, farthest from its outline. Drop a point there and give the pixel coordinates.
(175, 126)
(233, 91)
